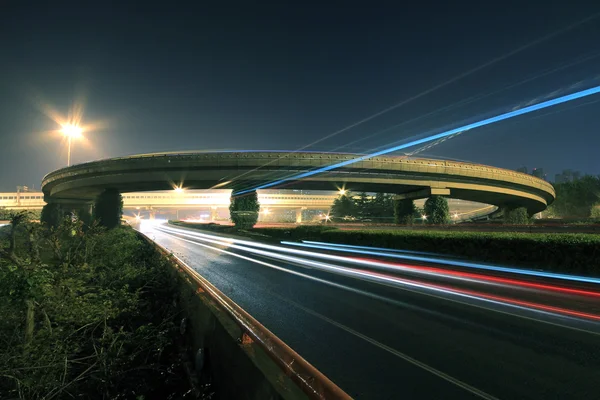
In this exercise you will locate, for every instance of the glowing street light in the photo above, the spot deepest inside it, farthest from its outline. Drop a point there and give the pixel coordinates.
(178, 189)
(266, 211)
(342, 192)
(424, 217)
(70, 132)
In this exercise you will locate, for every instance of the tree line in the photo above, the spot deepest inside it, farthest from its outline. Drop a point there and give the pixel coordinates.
(382, 207)
(577, 199)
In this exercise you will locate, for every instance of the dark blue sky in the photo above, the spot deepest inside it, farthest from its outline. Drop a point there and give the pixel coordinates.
(199, 76)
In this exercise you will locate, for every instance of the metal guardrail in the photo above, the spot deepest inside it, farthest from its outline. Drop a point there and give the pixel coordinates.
(310, 380)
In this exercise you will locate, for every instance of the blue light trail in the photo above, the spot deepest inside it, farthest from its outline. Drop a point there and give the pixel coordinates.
(444, 261)
(488, 121)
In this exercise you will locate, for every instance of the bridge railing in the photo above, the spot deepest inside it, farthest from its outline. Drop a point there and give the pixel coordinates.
(310, 380)
(291, 163)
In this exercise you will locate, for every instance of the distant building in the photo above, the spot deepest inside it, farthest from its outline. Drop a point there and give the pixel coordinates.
(538, 173)
(522, 170)
(567, 176)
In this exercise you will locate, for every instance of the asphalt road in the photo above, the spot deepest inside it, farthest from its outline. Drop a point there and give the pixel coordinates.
(398, 334)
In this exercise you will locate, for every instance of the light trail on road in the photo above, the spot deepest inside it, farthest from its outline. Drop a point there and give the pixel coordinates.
(440, 260)
(428, 324)
(305, 258)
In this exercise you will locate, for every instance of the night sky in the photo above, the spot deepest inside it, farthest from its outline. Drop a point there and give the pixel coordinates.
(158, 76)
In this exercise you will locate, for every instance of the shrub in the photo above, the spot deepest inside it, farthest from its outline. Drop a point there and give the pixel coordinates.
(404, 211)
(596, 211)
(102, 318)
(560, 252)
(51, 215)
(570, 253)
(437, 210)
(343, 207)
(243, 210)
(517, 216)
(84, 215)
(108, 208)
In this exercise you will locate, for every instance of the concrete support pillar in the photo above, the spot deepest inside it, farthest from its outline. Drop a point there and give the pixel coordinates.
(152, 214)
(213, 214)
(299, 216)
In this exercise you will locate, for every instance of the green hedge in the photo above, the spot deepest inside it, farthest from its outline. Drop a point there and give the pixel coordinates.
(558, 252)
(575, 253)
(571, 253)
(301, 232)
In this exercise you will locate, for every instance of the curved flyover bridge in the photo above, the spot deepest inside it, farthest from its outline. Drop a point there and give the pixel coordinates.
(407, 177)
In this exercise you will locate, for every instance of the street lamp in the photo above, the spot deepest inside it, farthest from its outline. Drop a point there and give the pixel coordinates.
(71, 132)
(342, 192)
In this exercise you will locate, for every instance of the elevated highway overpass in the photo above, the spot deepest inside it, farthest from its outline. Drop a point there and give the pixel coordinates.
(188, 199)
(214, 204)
(406, 177)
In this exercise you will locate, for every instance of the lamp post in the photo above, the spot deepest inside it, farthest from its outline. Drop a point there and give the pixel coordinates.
(71, 132)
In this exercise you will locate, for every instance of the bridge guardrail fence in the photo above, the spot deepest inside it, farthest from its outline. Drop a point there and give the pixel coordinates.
(310, 380)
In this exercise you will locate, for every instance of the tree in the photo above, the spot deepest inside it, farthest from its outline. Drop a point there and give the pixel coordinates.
(404, 211)
(84, 215)
(437, 211)
(343, 207)
(575, 199)
(362, 204)
(243, 210)
(51, 215)
(382, 206)
(596, 211)
(516, 216)
(25, 271)
(108, 208)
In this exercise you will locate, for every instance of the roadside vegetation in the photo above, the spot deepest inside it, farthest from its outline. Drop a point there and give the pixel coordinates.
(562, 252)
(570, 253)
(87, 312)
(437, 211)
(244, 210)
(577, 199)
(517, 216)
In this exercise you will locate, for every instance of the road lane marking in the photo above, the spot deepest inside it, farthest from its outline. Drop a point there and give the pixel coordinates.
(393, 351)
(382, 346)
(358, 274)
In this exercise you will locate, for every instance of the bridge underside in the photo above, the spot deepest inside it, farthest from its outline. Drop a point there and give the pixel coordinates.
(82, 183)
